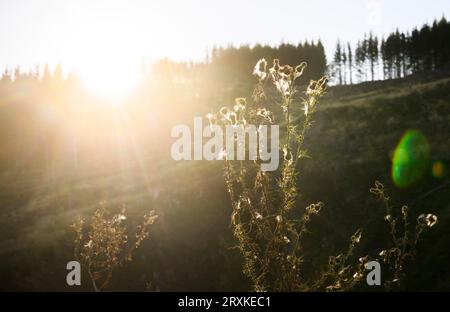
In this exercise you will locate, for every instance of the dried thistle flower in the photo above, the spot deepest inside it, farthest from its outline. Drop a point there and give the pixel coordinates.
(260, 69)
(299, 70)
(274, 69)
(265, 114)
(283, 85)
(240, 104)
(428, 219)
(314, 91)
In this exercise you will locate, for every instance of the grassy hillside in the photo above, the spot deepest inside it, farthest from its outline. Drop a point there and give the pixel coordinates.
(191, 246)
(352, 145)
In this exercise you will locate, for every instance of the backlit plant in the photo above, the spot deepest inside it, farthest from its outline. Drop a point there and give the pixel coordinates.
(267, 219)
(104, 244)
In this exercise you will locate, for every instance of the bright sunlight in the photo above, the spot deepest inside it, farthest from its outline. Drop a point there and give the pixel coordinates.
(111, 71)
(109, 78)
(106, 55)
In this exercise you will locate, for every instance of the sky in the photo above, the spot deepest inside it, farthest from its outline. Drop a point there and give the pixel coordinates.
(81, 33)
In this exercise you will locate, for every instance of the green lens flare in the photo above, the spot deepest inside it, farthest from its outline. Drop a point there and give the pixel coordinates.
(411, 159)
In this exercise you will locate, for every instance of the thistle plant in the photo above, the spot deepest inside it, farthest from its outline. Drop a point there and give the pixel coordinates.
(403, 236)
(266, 225)
(104, 244)
(267, 219)
(346, 271)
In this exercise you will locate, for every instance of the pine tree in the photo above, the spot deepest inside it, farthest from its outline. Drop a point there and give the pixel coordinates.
(350, 61)
(338, 61)
(372, 51)
(321, 60)
(344, 65)
(360, 60)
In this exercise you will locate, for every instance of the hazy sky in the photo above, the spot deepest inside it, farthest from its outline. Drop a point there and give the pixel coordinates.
(81, 32)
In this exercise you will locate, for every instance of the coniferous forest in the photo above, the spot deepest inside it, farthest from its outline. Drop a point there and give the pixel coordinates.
(399, 55)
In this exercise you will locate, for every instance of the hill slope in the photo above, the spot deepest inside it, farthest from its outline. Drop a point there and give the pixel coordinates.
(351, 143)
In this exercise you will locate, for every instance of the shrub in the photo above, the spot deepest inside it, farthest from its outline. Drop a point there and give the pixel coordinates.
(104, 244)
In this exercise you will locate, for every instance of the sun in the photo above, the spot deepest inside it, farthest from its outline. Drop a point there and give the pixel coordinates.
(108, 61)
(107, 52)
(110, 77)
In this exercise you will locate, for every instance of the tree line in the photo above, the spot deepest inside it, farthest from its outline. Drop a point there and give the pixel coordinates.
(234, 63)
(396, 56)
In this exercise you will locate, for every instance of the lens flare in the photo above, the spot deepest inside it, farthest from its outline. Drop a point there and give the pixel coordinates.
(438, 170)
(411, 159)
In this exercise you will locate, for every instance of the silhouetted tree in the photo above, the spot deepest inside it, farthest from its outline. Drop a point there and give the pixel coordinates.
(344, 64)
(360, 59)
(372, 52)
(400, 53)
(338, 61)
(350, 61)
